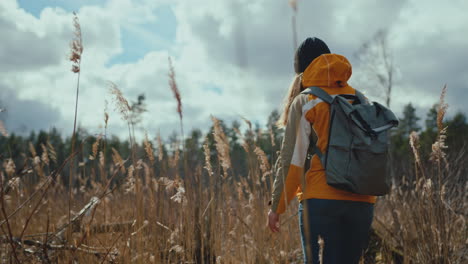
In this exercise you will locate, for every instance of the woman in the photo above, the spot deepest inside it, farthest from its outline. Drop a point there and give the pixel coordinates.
(342, 219)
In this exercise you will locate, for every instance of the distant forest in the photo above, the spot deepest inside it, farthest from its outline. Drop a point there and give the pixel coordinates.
(21, 148)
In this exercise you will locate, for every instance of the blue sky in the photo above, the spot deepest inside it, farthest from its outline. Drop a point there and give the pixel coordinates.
(232, 57)
(159, 35)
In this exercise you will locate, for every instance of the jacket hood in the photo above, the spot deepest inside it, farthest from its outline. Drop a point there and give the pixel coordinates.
(327, 70)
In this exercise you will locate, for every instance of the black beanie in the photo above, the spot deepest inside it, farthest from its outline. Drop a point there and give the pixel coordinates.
(309, 49)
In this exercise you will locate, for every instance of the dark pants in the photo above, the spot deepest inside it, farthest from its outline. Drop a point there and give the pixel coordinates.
(343, 226)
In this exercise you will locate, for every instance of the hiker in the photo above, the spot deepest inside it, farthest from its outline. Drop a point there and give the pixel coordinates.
(341, 218)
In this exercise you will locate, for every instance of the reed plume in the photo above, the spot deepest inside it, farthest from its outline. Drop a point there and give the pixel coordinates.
(206, 151)
(222, 146)
(264, 164)
(76, 45)
(118, 161)
(121, 103)
(52, 152)
(293, 5)
(176, 93)
(32, 150)
(122, 106)
(175, 88)
(414, 144)
(442, 109)
(272, 136)
(130, 182)
(45, 155)
(149, 149)
(175, 158)
(95, 148)
(438, 148)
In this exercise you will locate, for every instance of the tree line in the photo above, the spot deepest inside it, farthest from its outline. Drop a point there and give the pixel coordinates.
(22, 149)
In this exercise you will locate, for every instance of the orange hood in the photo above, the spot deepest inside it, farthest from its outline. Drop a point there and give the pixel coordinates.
(327, 70)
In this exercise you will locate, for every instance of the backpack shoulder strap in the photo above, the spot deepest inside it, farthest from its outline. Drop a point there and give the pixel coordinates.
(320, 93)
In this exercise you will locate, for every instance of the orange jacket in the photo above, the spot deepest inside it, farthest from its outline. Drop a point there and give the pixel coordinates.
(331, 73)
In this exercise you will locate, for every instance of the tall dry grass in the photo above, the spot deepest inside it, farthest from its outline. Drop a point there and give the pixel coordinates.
(207, 215)
(425, 220)
(204, 217)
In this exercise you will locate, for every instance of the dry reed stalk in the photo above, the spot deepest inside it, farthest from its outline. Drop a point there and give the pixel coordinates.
(438, 154)
(222, 146)
(176, 92)
(149, 149)
(102, 159)
(160, 147)
(427, 226)
(95, 148)
(321, 243)
(14, 183)
(106, 116)
(438, 148)
(442, 109)
(414, 143)
(32, 150)
(293, 4)
(38, 166)
(10, 167)
(3, 130)
(9, 229)
(264, 164)
(148, 176)
(244, 143)
(249, 124)
(52, 152)
(118, 161)
(206, 151)
(179, 196)
(175, 88)
(174, 161)
(45, 155)
(272, 136)
(129, 186)
(249, 145)
(121, 103)
(76, 58)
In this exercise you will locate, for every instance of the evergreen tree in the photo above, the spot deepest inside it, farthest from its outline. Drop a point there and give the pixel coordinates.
(400, 150)
(457, 133)
(429, 135)
(409, 122)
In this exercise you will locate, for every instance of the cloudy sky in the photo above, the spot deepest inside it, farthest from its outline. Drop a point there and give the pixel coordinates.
(232, 57)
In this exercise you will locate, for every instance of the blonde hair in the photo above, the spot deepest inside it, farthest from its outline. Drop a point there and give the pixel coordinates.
(294, 90)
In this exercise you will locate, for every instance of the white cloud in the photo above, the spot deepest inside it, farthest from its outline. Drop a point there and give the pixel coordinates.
(231, 57)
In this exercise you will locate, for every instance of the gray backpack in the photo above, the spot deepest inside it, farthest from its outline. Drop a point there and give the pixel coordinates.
(356, 156)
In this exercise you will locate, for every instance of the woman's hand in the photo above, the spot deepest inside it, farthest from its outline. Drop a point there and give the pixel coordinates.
(273, 221)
